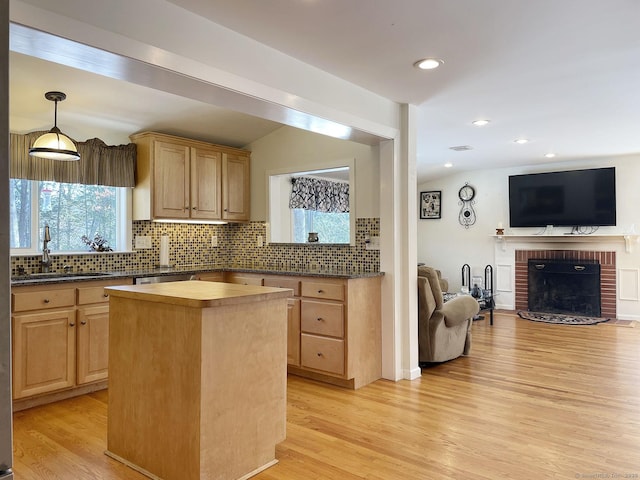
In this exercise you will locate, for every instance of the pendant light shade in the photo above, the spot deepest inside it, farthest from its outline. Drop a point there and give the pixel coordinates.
(55, 145)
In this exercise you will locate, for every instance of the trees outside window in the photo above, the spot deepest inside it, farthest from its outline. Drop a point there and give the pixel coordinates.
(71, 211)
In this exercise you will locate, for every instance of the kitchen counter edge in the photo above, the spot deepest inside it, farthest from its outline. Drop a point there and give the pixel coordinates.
(193, 270)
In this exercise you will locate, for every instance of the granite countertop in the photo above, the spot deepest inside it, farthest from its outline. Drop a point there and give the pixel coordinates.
(59, 277)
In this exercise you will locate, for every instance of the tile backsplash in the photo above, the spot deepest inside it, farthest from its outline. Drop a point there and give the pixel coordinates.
(237, 247)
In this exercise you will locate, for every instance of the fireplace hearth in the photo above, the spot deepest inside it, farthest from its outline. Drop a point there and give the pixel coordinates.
(569, 286)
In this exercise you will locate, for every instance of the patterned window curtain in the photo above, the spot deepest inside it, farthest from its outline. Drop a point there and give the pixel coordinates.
(318, 194)
(99, 164)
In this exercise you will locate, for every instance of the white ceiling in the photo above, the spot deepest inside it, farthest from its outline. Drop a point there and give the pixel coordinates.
(563, 74)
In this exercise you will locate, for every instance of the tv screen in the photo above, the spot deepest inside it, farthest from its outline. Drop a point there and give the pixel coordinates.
(570, 198)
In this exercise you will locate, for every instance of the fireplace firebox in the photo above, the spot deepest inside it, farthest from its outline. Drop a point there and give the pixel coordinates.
(564, 286)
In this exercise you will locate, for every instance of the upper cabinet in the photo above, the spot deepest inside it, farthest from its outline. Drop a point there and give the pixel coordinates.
(182, 179)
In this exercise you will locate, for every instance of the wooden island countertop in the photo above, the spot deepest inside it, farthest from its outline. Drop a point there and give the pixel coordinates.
(197, 294)
(197, 378)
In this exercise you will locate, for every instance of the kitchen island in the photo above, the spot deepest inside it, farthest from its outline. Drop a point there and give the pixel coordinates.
(197, 378)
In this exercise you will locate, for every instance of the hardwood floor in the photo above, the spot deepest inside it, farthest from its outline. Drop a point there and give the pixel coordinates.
(532, 401)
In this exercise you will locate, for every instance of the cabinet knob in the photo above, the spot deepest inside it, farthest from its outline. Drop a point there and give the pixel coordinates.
(194, 208)
(46, 300)
(72, 324)
(319, 319)
(320, 291)
(319, 354)
(83, 322)
(105, 295)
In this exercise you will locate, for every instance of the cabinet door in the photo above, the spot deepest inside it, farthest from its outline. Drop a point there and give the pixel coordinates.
(93, 343)
(43, 352)
(235, 187)
(171, 180)
(210, 276)
(206, 194)
(244, 278)
(293, 331)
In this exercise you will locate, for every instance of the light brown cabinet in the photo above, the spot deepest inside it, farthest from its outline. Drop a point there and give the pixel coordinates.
(44, 352)
(182, 179)
(244, 278)
(210, 276)
(60, 336)
(334, 326)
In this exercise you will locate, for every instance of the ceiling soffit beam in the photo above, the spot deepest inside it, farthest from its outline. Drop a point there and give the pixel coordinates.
(45, 46)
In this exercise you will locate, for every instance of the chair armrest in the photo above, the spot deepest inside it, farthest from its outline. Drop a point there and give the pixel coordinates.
(459, 309)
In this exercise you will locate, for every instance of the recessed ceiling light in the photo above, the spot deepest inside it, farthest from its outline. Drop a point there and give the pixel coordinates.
(550, 155)
(521, 141)
(480, 123)
(428, 63)
(448, 165)
(461, 148)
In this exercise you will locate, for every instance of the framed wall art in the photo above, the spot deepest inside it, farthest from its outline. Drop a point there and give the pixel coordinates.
(430, 204)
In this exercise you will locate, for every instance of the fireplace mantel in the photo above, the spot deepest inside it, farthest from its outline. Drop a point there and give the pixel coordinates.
(628, 239)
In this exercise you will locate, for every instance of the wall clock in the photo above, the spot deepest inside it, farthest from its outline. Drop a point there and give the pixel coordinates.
(467, 215)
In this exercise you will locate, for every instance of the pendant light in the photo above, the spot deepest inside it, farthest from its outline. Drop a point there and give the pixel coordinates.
(55, 145)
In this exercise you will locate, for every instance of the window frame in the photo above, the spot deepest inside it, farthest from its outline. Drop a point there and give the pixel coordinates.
(124, 229)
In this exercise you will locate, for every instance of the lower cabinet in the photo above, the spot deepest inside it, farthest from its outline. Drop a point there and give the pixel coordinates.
(60, 337)
(92, 330)
(334, 328)
(44, 352)
(293, 331)
(210, 276)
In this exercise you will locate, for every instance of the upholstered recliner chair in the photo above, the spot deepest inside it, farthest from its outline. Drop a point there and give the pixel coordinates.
(444, 283)
(444, 329)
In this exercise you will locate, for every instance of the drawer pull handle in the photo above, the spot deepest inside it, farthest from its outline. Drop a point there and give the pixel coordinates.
(72, 324)
(46, 300)
(83, 322)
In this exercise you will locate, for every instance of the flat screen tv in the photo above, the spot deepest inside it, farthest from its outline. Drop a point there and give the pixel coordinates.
(569, 198)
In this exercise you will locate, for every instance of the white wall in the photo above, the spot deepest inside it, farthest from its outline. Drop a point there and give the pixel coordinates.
(447, 245)
(291, 147)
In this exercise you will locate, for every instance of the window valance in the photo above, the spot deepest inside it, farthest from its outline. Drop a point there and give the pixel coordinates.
(99, 164)
(318, 194)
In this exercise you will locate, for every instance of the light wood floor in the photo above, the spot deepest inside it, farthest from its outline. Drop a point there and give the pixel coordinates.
(533, 401)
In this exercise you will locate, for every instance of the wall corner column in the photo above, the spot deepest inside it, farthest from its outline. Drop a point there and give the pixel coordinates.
(398, 212)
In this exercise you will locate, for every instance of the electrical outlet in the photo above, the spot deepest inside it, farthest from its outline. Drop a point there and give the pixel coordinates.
(142, 241)
(260, 241)
(214, 240)
(372, 244)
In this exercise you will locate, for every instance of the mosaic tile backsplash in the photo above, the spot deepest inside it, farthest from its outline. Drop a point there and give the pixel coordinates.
(190, 245)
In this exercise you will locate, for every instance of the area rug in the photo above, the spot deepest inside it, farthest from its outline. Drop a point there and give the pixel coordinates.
(561, 319)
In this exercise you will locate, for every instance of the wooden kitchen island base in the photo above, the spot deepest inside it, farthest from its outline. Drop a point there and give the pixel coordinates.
(197, 378)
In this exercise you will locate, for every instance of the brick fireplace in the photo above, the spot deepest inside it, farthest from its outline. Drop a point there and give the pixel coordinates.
(607, 261)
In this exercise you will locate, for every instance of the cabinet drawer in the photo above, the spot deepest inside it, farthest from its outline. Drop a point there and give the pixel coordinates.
(322, 353)
(88, 295)
(331, 291)
(291, 283)
(323, 318)
(39, 299)
(210, 277)
(244, 279)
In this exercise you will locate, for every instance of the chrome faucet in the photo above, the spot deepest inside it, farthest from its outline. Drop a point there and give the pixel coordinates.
(45, 263)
